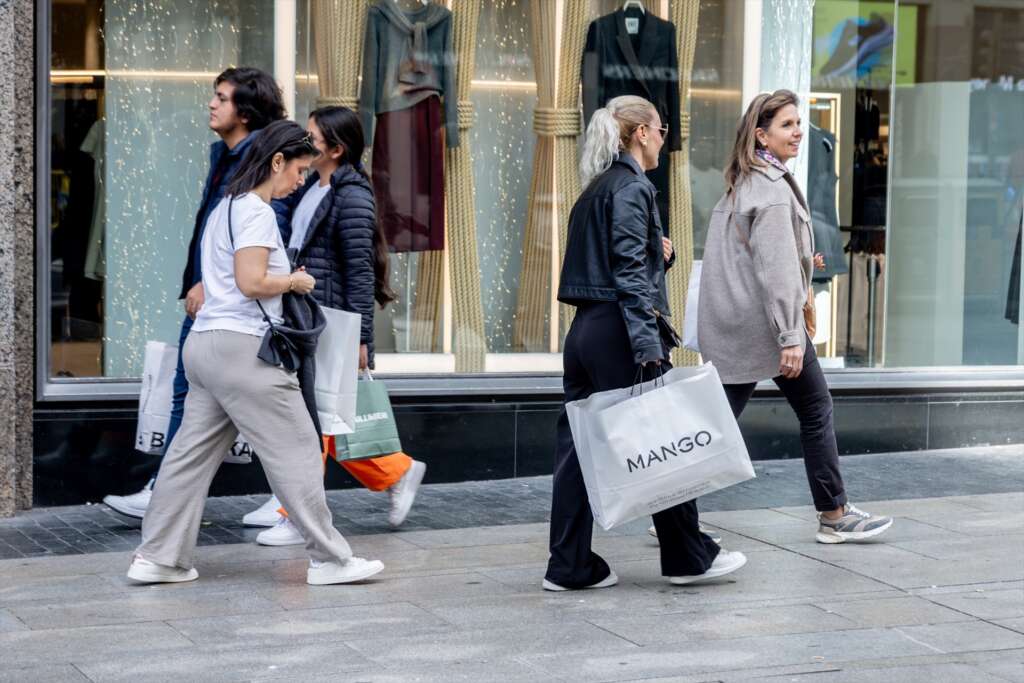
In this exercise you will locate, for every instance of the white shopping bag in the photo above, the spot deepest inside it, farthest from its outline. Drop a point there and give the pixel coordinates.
(155, 405)
(337, 369)
(690, 314)
(155, 397)
(647, 448)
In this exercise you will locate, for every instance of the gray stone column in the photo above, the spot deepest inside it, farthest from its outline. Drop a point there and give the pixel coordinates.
(17, 252)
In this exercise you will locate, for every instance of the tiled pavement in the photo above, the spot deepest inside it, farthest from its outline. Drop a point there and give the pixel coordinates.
(96, 528)
(940, 601)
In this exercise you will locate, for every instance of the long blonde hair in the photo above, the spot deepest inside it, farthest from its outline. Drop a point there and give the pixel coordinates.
(609, 131)
(759, 114)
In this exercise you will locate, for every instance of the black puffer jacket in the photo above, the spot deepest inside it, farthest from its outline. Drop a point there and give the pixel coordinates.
(338, 248)
(614, 253)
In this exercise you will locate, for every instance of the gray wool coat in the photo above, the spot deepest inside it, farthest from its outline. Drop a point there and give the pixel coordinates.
(758, 261)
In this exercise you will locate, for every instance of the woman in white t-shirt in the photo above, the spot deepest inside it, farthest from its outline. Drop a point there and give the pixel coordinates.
(231, 390)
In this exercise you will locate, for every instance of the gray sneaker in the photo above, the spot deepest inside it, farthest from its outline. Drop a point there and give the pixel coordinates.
(854, 525)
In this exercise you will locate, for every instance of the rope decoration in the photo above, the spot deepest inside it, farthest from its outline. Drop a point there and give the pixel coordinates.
(470, 342)
(350, 102)
(559, 123)
(685, 15)
(467, 114)
(555, 181)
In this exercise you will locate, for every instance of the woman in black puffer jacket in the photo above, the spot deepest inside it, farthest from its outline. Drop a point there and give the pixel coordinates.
(332, 224)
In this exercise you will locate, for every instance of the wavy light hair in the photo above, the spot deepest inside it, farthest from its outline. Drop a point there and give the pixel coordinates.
(759, 114)
(609, 132)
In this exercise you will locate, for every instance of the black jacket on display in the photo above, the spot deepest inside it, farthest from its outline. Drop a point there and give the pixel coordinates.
(614, 253)
(821, 199)
(338, 247)
(646, 64)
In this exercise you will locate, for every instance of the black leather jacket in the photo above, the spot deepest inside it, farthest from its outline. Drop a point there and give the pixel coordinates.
(614, 253)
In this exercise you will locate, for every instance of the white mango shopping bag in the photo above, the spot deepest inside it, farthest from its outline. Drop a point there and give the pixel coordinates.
(337, 370)
(158, 368)
(646, 448)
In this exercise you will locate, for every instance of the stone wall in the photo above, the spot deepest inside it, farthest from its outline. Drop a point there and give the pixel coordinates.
(17, 252)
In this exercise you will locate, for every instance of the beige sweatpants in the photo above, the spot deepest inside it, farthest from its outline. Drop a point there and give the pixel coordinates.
(232, 391)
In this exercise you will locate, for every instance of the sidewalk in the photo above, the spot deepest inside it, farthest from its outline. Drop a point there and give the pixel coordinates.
(941, 600)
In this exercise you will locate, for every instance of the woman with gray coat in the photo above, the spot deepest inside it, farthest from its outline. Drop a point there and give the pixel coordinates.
(756, 311)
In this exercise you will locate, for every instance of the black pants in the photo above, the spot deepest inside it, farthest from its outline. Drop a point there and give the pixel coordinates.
(808, 396)
(598, 357)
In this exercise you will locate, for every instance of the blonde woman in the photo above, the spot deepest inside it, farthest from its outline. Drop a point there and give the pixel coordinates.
(614, 274)
(755, 307)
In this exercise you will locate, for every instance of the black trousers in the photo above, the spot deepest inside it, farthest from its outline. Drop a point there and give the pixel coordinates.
(809, 398)
(598, 357)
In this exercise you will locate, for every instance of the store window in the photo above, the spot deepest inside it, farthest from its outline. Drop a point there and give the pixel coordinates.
(913, 166)
(953, 251)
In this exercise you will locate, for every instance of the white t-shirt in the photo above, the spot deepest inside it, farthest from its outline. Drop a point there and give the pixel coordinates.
(303, 215)
(225, 307)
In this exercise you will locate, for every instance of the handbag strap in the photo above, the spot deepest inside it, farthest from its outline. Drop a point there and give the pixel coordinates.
(231, 236)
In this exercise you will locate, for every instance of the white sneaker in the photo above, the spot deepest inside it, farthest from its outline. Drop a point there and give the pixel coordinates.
(608, 581)
(134, 505)
(282, 533)
(143, 571)
(355, 569)
(403, 493)
(725, 563)
(264, 515)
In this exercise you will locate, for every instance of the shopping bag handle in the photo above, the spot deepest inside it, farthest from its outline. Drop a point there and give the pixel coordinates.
(366, 374)
(638, 380)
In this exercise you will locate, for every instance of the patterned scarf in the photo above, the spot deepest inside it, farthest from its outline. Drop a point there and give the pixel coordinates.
(770, 159)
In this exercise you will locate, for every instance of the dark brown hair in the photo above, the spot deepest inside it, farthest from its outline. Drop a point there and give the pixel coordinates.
(257, 97)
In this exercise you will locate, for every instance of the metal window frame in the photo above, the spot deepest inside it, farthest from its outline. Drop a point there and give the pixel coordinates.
(851, 381)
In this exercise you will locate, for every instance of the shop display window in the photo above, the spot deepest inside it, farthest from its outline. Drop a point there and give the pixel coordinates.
(913, 161)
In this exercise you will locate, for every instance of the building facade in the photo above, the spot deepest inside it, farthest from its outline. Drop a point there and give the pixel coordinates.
(913, 164)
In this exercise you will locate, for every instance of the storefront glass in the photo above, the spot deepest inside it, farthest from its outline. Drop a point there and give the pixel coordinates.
(913, 166)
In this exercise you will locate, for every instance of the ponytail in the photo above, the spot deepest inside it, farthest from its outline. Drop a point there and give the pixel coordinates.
(600, 145)
(609, 132)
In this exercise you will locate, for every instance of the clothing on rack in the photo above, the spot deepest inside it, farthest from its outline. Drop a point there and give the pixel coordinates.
(408, 57)
(1013, 295)
(95, 267)
(408, 177)
(632, 52)
(821, 197)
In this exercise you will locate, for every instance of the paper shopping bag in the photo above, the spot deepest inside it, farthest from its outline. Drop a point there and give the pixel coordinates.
(376, 433)
(647, 448)
(337, 368)
(155, 397)
(158, 367)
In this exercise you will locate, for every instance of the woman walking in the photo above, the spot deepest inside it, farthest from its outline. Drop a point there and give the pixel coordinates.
(245, 267)
(614, 274)
(756, 309)
(331, 223)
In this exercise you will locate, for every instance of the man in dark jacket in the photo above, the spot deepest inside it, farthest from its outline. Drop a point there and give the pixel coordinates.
(244, 101)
